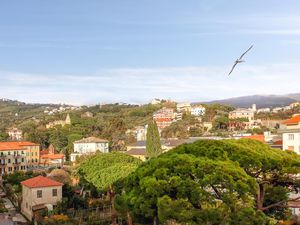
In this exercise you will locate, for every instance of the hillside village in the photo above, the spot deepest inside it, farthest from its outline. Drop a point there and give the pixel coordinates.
(40, 153)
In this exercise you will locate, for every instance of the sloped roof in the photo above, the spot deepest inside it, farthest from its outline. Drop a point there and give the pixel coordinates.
(40, 181)
(52, 156)
(136, 151)
(4, 146)
(256, 137)
(293, 120)
(91, 140)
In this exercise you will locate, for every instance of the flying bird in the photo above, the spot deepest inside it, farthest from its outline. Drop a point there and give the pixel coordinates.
(239, 60)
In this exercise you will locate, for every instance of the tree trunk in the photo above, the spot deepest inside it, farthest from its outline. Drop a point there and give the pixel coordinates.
(260, 196)
(129, 219)
(155, 220)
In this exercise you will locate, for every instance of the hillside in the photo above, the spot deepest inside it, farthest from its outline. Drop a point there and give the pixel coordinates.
(261, 101)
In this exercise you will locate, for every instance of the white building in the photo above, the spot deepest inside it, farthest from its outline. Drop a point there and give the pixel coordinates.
(264, 110)
(242, 113)
(198, 110)
(290, 130)
(15, 134)
(89, 145)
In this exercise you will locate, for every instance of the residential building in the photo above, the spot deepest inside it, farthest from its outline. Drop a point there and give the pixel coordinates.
(184, 107)
(89, 145)
(50, 157)
(264, 110)
(295, 104)
(290, 130)
(15, 134)
(139, 132)
(242, 113)
(32, 153)
(87, 115)
(62, 123)
(197, 110)
(39, 193)
(139, 153)
(277, 109)
(12, 158)
(155, 101)
(164, 117)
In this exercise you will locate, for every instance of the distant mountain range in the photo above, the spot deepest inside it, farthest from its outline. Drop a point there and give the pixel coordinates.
(261, 101)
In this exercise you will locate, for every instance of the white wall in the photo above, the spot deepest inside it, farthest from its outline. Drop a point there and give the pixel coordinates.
(287, 142)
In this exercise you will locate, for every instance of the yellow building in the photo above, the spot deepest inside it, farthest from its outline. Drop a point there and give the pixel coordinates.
(32, 153)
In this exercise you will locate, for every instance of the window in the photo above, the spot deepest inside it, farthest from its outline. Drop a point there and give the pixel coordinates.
(26, 205)
(39, 194)
(54, 192)
(8, 160)
(291, 137)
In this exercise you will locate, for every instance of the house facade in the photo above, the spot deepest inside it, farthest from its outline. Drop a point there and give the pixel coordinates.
(12, 158)
(197, 110)
(290, 130)
(89, 145)
(32, 153)
(164, 117)
(15, 134)
(39, 193)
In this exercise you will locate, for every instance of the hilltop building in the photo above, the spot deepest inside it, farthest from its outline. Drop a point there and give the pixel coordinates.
(139, 132)
(39, 193)
(15, 134)
(164, 117)
(87, 115)
(89, 145)
(184, 107)
(197, 110)
(62, 123)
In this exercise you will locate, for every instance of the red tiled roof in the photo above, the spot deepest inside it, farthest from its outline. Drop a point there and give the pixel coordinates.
(4, 146)
(163, 120)
(52, 156)
(293, 120)
(256, 137)
(40, 181)
(26, 143)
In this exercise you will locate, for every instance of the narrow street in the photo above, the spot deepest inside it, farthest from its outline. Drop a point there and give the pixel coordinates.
(12, 217)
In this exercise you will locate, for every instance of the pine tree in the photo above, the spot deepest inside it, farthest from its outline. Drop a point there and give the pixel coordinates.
(153, 146)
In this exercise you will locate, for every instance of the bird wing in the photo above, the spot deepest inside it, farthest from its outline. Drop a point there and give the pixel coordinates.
(245, 52)
(233, 67)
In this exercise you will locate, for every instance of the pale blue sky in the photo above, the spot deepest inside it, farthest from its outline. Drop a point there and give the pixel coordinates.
(80, 52)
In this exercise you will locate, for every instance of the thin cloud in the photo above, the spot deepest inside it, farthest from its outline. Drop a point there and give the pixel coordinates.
(143, 84)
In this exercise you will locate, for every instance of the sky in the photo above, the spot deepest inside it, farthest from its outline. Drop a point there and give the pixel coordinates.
(102, 51)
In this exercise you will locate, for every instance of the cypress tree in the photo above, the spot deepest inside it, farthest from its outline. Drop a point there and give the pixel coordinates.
(153, 146)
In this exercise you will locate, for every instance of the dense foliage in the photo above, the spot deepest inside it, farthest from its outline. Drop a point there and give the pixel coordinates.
(103, 169)
(153, 145)
(212, 182)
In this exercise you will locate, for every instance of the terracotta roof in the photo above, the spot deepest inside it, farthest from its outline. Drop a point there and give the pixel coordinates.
(52, 156)
(26, 143)
(91, 140)
(293, 120)
(136, 151)
(278, 142)
(259, 137)
(44, 152)
(163, 120)
(4, 146)
(39, 182)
